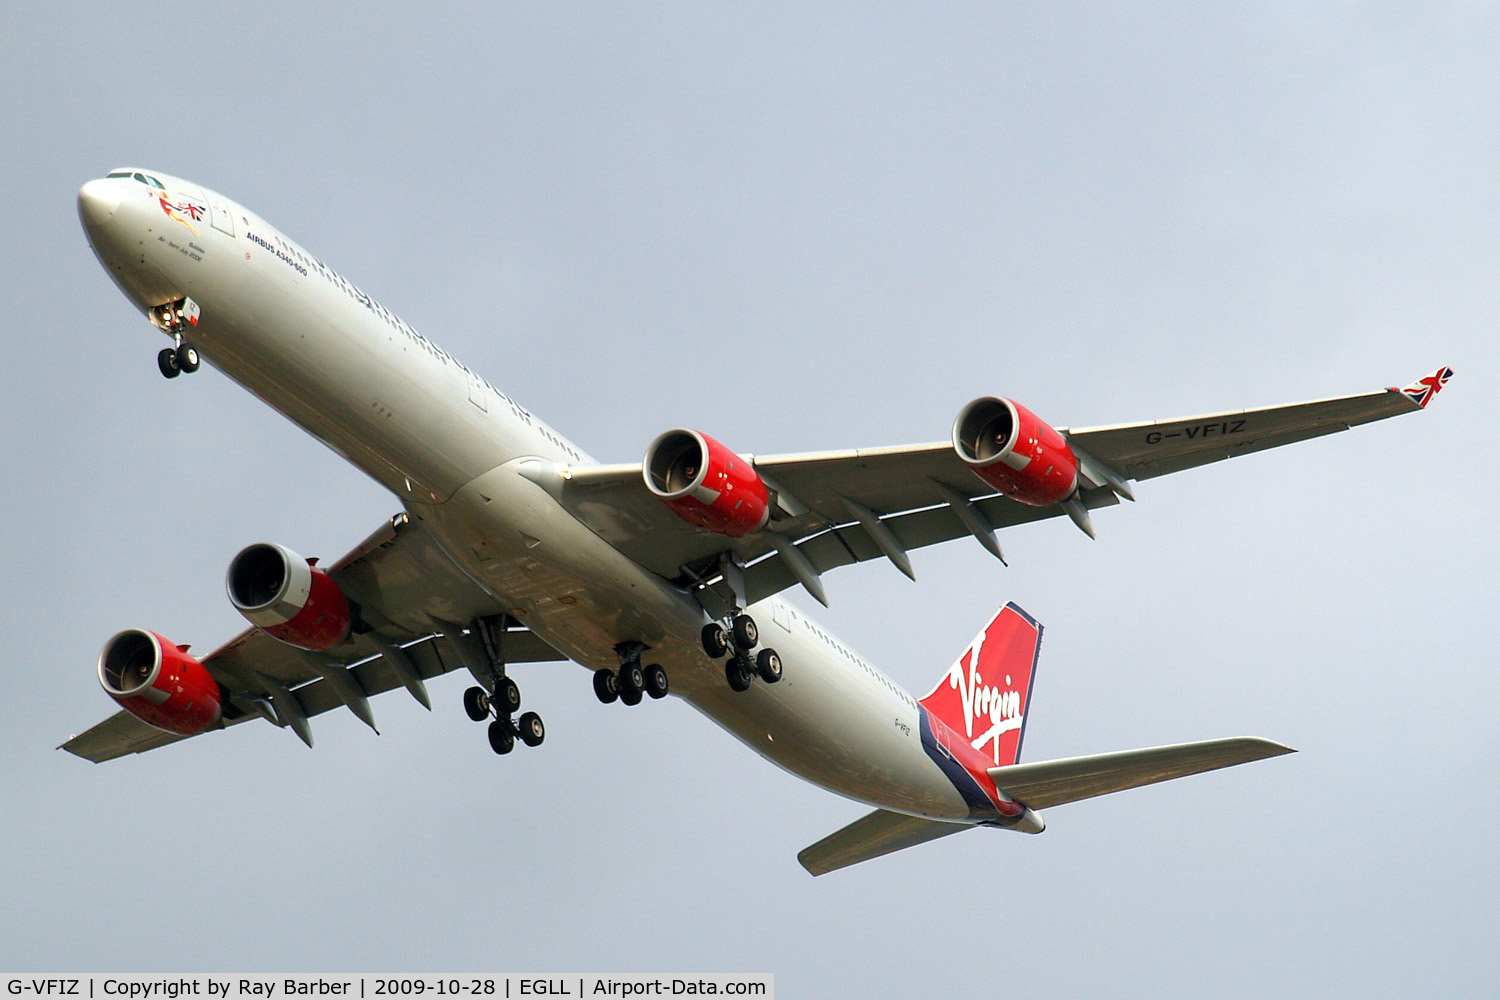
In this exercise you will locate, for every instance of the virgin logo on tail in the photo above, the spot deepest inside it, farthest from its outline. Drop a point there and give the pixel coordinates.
(984, 694)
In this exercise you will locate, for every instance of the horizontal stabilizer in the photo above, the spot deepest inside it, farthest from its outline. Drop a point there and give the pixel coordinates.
(879, 833)
(1056, 782)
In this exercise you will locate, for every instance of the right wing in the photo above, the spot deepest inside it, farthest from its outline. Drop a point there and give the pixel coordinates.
(841, 507)
(411, 597)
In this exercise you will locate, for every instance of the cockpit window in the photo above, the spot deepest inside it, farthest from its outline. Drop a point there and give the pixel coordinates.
(145, 179)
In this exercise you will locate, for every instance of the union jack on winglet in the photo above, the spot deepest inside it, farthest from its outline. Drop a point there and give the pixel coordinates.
(1423, 389)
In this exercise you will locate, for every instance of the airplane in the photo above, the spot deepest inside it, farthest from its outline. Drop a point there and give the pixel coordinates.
(514, 546)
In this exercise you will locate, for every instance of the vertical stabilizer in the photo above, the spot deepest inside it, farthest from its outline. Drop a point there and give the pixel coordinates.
(984, 696)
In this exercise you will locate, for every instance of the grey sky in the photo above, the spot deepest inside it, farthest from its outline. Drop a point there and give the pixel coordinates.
(797, 229)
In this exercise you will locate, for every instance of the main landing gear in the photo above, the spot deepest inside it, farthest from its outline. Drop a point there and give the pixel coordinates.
(738, 640)
(504, 730)
(632, 681)
(174, 318)
(503, 699)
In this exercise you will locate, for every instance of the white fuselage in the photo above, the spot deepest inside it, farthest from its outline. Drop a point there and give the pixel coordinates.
(464, 460)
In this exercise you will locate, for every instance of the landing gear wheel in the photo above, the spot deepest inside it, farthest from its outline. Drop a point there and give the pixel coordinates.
(768, 665)
(502, 736)
(531, 728)
(656, 681)
(477, 704)
(746, 635)
(632, 681)
(166, 360)
(737, 672)
(715, 642)
(187, 357)
(606, 687)
(630, 696)
(507, 696)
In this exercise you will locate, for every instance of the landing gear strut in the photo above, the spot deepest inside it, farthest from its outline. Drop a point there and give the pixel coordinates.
(632, 681)
(503, 697)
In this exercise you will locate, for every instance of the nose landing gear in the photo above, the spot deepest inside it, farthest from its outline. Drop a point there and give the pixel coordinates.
(175, 318)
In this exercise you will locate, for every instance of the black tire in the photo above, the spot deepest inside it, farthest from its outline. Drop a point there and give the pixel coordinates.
(507, 696)
(768, 665)
(632, 679)
(502, 737)
(737, 672)
(477, 704)
(166, 361)
(630, 696)
(187, 357)
(715, 642)
(531, 728)
(656, 681)
(606, 687)
(746, 634)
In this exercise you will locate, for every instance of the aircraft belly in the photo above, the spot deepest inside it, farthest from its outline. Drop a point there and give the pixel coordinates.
(825, 721)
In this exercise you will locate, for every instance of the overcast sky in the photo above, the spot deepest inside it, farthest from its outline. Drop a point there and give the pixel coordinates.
(797, 228)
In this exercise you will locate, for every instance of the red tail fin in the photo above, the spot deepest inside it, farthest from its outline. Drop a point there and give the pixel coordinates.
(985, 694)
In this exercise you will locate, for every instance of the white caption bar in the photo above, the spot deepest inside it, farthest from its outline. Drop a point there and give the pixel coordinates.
(504, 986)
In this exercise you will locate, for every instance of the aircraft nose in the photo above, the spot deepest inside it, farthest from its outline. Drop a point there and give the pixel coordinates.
(97, 202)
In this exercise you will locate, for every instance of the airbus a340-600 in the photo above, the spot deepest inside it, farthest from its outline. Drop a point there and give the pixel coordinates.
(514, 546)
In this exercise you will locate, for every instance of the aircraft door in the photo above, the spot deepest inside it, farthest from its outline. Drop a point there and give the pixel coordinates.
(218, 210)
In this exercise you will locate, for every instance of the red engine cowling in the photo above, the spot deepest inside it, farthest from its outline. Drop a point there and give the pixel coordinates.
(1010, 448)
(288, 597)
(706, 484)
(159, 683)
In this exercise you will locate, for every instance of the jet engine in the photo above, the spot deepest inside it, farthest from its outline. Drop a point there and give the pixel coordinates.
(288, 597)
(159, 683)
(706, 484)
(1010, 448)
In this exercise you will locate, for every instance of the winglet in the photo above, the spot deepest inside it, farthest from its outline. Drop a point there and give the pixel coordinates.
(1423, 389)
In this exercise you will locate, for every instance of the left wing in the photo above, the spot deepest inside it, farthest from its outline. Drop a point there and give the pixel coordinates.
(414, 602)
(834, 508)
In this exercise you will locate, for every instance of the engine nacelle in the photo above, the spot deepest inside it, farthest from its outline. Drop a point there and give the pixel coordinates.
(1010, 448)
(288, 597)
(159, 683)
(707, 484)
